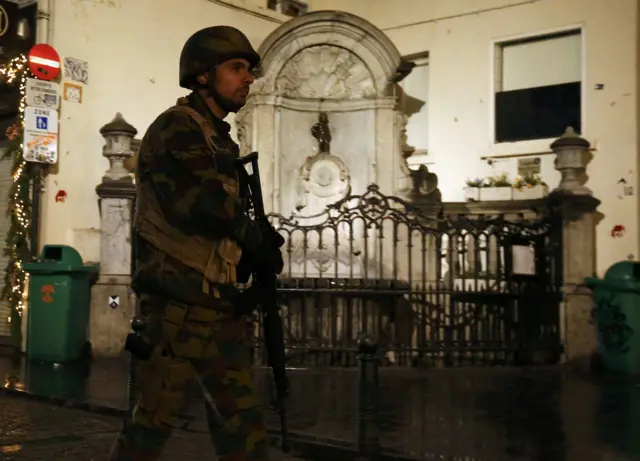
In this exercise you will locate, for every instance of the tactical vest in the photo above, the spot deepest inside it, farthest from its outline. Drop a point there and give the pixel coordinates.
(216, 260)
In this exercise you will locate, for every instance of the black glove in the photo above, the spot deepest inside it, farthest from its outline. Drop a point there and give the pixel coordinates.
(276, 263)
(247, 301)
(275, 242)
(272, 235)
(244, 269)
(268, 258)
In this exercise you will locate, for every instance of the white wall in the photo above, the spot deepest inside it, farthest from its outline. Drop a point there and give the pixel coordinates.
(132, 47)
(459, 36)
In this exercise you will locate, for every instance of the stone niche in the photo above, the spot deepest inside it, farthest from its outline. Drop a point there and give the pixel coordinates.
(323, 114)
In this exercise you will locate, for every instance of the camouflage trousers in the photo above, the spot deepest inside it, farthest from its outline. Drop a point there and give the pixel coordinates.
(191, 343)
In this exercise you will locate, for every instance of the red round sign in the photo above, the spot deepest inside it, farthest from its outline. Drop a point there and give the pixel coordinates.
(44, 61)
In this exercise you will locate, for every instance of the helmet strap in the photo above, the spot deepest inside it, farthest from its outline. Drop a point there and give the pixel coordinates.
(210, 90)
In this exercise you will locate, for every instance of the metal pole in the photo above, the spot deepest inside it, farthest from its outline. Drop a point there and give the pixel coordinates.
(36, 193)
(138, 326)
(368, 410)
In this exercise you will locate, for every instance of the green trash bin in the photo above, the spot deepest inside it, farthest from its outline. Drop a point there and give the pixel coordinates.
(617, 316)
(59, 304)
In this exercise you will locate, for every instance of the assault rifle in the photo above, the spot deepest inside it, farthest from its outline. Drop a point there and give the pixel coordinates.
(265, 280)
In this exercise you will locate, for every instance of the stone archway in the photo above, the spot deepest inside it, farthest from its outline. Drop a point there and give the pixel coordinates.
(333, 63)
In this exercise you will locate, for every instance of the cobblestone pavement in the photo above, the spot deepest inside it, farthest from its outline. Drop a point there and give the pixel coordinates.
(37, 431)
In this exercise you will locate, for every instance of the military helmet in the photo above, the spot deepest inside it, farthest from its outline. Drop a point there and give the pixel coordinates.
(211, 46)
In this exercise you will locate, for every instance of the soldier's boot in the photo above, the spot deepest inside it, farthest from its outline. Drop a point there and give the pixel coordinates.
(138, 443)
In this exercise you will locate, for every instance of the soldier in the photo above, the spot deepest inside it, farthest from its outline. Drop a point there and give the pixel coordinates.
(191, 231)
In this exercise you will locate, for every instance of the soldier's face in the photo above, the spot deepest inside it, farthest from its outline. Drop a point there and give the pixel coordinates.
(232, 81)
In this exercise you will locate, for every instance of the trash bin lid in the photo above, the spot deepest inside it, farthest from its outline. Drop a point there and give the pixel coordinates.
(57, 259)
(628, 271)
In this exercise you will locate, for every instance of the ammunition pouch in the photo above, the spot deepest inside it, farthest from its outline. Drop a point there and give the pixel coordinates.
(163, 382)
(189, 292)
(183, 290)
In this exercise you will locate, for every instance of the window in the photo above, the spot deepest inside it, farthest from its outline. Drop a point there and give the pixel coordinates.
(293, 8)
(414, 93)
(538, 87)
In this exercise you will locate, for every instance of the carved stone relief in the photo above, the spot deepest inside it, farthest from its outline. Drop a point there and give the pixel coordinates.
(325, 72)
(333, 62)
(324, 177)
(342, 65)
(244, 129)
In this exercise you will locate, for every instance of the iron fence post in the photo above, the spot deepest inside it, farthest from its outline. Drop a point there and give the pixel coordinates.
(138, 326)
(368, 392)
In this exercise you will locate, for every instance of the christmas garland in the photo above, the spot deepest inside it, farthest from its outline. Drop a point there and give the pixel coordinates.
(15, 73)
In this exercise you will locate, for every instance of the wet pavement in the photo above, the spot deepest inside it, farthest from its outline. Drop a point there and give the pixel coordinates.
(35, 431)
(465, 414)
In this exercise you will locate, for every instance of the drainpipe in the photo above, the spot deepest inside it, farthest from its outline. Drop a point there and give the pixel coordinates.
(43, 35)
(43, 28)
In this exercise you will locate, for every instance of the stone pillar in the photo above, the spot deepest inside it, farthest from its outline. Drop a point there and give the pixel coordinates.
(112, 302)
(577, 207)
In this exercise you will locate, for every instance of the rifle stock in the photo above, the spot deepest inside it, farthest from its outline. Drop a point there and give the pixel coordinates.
(266, 280)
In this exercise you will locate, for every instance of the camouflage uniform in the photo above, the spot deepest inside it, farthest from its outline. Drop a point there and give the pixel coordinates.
(191, 230)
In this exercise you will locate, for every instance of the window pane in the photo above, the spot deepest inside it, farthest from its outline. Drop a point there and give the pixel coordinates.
(550, 61)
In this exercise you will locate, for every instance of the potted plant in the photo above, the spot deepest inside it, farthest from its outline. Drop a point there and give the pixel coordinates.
(472, 191)
(529, 187)
(497, 188)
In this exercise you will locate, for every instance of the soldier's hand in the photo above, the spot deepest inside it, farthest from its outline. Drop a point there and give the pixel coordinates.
(268, 258)
(276, 241)
(275, 238)
(271, 257)
(248, 300)
(277, 262)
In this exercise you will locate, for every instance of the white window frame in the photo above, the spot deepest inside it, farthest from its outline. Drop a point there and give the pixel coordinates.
(534, 146)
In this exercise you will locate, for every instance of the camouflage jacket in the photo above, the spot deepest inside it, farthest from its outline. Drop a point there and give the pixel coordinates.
(190, 223)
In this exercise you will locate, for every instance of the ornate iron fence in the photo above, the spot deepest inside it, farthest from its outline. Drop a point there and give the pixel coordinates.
(435, 289)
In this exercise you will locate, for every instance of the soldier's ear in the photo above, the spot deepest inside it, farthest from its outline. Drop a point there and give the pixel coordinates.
(203, 79)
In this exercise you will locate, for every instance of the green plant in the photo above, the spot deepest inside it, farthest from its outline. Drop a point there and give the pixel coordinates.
(478, 182)
(528, 181)
(501, 180)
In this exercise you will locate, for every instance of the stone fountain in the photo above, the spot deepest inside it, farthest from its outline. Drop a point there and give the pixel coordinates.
(337, 73)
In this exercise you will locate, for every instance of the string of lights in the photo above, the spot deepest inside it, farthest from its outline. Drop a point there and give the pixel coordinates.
(15, 73)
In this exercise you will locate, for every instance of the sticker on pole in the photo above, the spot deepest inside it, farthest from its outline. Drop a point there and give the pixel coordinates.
(40, 135)
(44, 61)
(42, 94)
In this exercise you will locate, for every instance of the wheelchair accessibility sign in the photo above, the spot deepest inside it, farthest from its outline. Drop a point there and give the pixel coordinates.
(40, 135)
